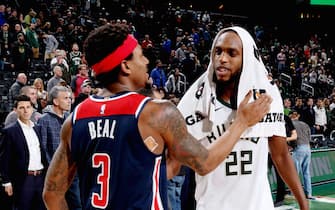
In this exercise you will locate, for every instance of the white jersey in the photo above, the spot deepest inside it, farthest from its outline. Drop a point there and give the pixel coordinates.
(240, 182)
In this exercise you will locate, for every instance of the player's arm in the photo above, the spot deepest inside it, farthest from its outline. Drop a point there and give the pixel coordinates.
(170, 124)
(60, 172)
(172, 166)
(285, 166)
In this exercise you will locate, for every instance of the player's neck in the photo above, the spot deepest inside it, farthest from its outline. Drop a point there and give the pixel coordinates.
(225, 92)
(113, 89)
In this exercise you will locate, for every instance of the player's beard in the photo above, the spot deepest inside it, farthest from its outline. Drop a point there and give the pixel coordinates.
(233, 80)
(231, 84)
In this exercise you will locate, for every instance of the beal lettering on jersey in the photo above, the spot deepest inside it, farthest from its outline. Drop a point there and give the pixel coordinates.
(102, 128)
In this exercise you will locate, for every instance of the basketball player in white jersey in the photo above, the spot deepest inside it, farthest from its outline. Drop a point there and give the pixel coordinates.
(240, 182)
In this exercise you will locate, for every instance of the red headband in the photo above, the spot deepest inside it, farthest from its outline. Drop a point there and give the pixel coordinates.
(115, 58)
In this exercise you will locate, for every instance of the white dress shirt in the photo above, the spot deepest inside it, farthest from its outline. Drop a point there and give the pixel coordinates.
(35, 161)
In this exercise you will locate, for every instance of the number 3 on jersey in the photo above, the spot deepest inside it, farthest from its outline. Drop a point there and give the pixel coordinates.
(100, 199)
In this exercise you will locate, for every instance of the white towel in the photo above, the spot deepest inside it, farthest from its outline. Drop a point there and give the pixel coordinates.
(201, 95)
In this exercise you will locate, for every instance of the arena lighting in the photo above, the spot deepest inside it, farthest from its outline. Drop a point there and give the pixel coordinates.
(323, 2)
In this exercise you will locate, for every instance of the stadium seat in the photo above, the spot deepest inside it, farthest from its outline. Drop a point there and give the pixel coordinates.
(318, 140)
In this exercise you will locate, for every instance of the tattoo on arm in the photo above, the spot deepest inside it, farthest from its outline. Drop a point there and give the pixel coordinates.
(183, 145)
(58, 169)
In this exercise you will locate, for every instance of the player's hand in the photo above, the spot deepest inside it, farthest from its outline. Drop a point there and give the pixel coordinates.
(251, 113)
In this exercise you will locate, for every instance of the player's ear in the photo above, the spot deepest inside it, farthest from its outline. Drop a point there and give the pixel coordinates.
(124, 66)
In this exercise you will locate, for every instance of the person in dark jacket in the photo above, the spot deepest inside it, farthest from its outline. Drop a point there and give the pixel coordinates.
(85, 91)
(21, 54)
(23, 161)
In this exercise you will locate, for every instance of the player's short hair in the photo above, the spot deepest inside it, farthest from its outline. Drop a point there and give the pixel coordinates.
(100, 43)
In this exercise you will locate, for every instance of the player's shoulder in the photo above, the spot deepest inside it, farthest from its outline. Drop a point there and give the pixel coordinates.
(161, 107)
(161, 103)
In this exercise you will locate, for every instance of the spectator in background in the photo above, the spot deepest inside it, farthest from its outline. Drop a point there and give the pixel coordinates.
(281, 61)
(17, 28)
(75, 59)
(180, 52)
(320, 117)
(60, 60)
(52, 119)
(61, 38)
(291, 138)
(308, 115)
(2, 14)
(56, 79)
(287, 106)
(14, 90)
(46, 27)
(32, 93)
(332, 102)
(188, 67)
(21, 54)
(302, 153)
(166, 48)
(206, 18)
(6, 37)
(299, 105)
(13, 19)
(30, 18)
(147, 42)
(42, 94)
(176, 83)
(77, 80)
(158, 76)
(85, 91)
(51, 123)
(32, 39)
(23, 163)
(51, 45)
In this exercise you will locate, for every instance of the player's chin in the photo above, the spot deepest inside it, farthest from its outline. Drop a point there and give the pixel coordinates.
(222, 78)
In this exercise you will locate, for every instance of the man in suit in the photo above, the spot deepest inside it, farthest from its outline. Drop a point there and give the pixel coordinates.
(23, 162)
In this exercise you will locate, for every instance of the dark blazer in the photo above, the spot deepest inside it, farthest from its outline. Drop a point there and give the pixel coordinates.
(14, 157)
(308, 116)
